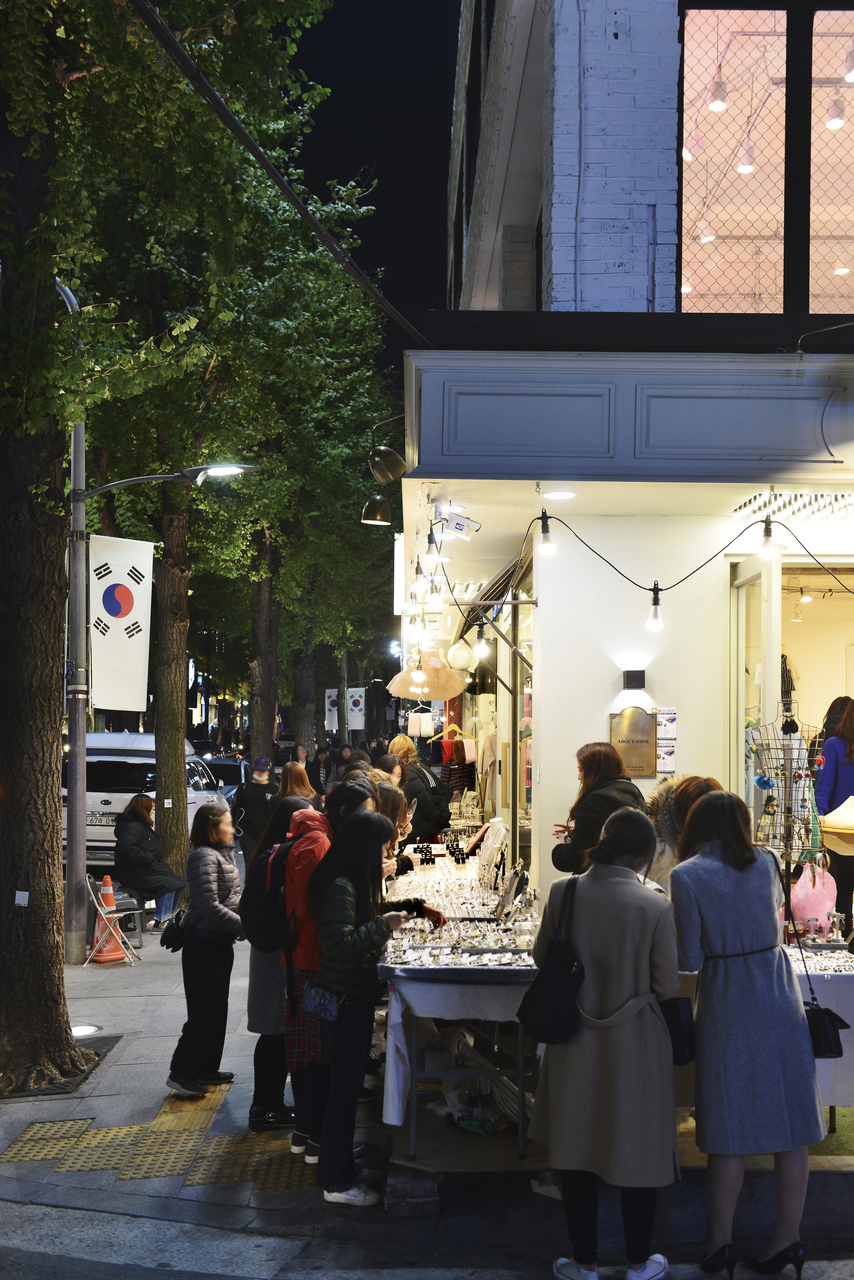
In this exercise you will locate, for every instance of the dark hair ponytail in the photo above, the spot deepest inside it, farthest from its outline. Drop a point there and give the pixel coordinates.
(628, 839)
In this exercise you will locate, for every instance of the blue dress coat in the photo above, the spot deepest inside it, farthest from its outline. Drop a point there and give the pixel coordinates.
(756, 1082)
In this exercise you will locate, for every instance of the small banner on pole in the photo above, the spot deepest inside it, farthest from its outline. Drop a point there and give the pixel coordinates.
(331, 710)
(119, 621)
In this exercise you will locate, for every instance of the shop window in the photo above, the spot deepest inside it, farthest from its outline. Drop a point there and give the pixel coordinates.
(767, 209)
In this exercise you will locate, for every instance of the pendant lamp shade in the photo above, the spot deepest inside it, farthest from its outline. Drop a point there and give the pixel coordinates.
(442, 682)
(385, 464)
(376, 511)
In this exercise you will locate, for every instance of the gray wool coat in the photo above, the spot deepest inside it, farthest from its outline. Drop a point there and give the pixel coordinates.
(756, 1089)
(605, 1099)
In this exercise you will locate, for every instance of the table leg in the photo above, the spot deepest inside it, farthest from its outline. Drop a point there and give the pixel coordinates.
(831, 1120)
(413, 1090)
(520, 1080)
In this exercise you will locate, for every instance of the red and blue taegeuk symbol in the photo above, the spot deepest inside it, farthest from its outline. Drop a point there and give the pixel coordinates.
(118, 600)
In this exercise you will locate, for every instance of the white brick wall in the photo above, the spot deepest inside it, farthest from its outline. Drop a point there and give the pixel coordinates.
(517, 285)
(619, 136)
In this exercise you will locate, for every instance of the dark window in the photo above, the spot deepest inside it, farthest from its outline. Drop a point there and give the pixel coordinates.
(767, 208)
(116, 775)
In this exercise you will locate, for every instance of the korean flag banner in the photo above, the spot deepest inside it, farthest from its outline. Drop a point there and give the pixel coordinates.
(119, 622)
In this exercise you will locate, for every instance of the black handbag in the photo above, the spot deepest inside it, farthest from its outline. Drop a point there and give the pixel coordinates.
(548, 1011)
(679, 1015)
(176, 932)
(824, 1024)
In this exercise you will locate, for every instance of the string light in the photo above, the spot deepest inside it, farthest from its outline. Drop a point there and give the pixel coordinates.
(719, 101)
(745, 158)
(835, 113)
(767, 548)
(655, 622)
(686, 286)
(547, 547)
(431, 555)
(418, 674)
(806, 598)
(481, 649)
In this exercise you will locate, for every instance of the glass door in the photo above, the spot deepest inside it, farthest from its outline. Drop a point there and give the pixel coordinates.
(755, 651)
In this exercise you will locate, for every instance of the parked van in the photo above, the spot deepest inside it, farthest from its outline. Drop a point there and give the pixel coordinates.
(120, 766)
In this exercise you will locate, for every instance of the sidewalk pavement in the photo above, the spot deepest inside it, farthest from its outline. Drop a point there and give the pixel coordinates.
(122, 1173)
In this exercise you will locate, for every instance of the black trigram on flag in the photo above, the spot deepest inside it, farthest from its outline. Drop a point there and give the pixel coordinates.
(102, 571)
(100, 625)
(135, 575)
(133, 630)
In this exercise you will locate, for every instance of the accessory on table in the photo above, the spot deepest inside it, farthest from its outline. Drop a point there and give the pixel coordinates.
(548, 1011)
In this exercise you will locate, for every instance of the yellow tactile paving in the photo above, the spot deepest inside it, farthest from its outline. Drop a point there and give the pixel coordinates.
(46, 1140)
(178, 1114)
(280, 1171)
(159, 1154)
(230, 1158)
(102, 1149)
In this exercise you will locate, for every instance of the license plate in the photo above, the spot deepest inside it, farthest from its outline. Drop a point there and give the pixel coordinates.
(100, 820)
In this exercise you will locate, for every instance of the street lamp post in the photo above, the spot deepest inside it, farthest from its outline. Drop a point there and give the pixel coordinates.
(77, 674)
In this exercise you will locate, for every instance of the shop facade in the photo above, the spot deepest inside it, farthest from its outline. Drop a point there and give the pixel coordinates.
(661, 451)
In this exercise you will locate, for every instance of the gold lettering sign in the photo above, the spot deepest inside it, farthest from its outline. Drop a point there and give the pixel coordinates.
(633, 734)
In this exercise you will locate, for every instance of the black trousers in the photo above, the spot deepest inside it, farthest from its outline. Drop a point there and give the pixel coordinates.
(842, 870)
(271, 1073)
(311, 1094)
(206, 963)
(580, 1203)
(350, 1038)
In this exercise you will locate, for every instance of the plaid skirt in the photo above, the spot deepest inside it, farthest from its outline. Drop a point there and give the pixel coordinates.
(305, 1035)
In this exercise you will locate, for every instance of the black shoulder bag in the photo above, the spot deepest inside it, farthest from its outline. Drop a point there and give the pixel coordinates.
(824, 1024)
(176, 932)
(548, 1011)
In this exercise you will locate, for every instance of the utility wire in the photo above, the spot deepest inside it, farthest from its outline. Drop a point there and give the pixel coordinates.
(166, 39)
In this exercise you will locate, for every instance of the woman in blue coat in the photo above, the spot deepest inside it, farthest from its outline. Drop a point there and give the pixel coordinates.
(834, 784)
(756, 1082)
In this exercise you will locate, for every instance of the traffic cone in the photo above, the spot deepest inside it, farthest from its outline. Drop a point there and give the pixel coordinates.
(112, 949)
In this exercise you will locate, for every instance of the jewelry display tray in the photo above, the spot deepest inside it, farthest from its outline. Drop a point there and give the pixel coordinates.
(461, 974)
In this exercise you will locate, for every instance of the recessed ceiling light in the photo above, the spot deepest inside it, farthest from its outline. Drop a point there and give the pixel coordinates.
(558, 494)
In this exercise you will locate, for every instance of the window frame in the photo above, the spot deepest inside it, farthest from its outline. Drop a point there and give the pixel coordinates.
(797, 146)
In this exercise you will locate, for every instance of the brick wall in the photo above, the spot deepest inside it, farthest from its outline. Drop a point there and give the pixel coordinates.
(612, 80)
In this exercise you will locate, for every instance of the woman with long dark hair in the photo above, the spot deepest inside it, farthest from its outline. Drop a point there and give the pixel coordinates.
(834, 785)
(604, 789)
(604, 1101)
(207, 956)
(265, 1000)
(394, 767)
(829, 726)
(353, 924)
(756, 1086)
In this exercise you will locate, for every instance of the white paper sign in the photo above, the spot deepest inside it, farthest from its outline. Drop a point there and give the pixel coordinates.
(666, 724)
(665, 757)
(22, 898)
(120, 573)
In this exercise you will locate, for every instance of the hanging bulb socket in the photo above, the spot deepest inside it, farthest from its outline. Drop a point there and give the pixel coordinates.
(481, 649)
(718, 99)
(835, 113)
(655, 622)
(547, 547)
(806, 598)
(745, 156)
(767, 549)
(431, 555)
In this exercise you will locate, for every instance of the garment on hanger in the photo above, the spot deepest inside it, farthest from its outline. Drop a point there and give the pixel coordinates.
(489, 765)
(420, 724)
(459, 778)
(446, 748)
(471, 751)
(474, 726)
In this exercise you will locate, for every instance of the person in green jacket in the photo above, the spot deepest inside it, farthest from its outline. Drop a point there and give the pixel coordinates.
(345, 898)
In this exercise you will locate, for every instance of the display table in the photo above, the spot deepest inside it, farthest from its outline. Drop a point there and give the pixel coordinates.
(493, 1001)
(835, 1075)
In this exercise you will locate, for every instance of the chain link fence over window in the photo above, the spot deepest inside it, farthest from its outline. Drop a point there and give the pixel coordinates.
(832, 184)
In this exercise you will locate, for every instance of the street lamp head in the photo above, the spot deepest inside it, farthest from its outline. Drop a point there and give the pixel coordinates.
(215, 471)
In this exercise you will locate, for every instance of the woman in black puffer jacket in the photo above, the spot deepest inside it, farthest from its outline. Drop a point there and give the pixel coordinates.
(432, 812)
(344, 896)
(140, 864)
(604, 789)
(207, 956)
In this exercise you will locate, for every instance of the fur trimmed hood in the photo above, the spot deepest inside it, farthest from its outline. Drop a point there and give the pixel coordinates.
(659, 807)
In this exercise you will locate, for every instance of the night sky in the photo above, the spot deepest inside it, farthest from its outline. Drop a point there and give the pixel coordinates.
(389, 65)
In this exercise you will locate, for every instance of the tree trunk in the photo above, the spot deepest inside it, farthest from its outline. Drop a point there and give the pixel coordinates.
(171, 580)
(320, 674)
(264, 654)
(36, 1045)
(302, 703)
(342, 700)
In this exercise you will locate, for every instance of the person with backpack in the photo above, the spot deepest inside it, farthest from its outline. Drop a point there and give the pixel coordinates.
(266, 994)
(252, 806)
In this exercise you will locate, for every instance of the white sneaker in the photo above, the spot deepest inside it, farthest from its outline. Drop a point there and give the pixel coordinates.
(568, 1269)
(654, 1267)
(359, 1195)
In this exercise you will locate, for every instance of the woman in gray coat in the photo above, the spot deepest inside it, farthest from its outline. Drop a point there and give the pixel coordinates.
(604, 1099)
(756, 1082)
(207, 956)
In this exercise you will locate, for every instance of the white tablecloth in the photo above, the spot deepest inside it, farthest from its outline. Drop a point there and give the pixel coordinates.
(835, 1075)
(452, 1001)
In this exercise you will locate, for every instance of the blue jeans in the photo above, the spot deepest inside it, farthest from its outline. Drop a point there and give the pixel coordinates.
(350, 1038)
(164, 905)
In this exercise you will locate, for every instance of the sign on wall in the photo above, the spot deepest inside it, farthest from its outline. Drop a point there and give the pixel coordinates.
(120, 572)
(633, 733)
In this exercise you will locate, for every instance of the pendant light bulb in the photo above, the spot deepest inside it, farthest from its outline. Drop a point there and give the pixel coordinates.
(849, 66)
(481, 649)
(695, 143)
(547, 547)
(719, 100)
(686, 286)
(421, 580)
(705, 232)
(431, 555)
(842, 268)
(745, 156)
(655, 621)
(418, 675)
(806, 598)
(835, 113)
(767, 549)
(796, 616)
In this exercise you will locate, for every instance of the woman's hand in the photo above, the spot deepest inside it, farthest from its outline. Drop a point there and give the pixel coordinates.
(435, 916)
(561, 831)
(415, 859)
(395, 919)
(389, 868)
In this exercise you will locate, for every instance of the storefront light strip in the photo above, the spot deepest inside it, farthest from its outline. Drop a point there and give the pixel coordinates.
(800, 506)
